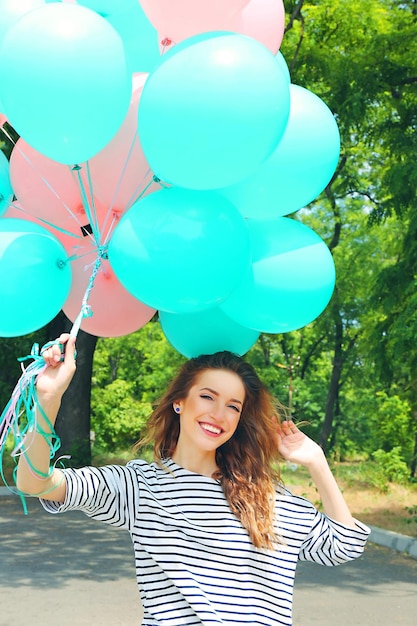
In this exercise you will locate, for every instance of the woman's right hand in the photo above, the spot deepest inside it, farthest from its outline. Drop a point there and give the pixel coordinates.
(55, 379)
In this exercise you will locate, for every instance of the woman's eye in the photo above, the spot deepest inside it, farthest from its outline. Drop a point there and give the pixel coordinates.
(235, 408)
(206, 397)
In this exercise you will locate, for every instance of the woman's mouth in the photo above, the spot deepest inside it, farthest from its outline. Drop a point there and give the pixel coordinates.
(211, 429)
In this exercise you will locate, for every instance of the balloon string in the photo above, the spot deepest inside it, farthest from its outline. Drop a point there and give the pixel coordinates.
(110, 211)
(90, 209)
(123, 172)
(20, 417)
(68, 233)
(48, 185)
(85, 307)
(140, 190)
(134, 198)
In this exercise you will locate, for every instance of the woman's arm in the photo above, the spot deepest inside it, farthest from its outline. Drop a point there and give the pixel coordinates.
(296, 447)
(51, 386)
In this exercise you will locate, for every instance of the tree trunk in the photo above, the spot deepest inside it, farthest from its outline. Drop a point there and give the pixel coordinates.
(73, 423)
(333, 392)
(413, 466)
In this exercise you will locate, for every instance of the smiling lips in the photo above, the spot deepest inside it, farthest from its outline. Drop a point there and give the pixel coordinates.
(210, 429)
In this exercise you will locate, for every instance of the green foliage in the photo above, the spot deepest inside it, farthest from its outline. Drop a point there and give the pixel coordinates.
(392, 465)
(130, 373)
(412, 511)
(378, 472)
(117, 418)
(380, 420)
(393, 424)
(369, 474)
(12, 348)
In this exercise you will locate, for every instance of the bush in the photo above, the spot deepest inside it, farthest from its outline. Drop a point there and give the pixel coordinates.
(384, 468)
(117, 418)
(392, 465)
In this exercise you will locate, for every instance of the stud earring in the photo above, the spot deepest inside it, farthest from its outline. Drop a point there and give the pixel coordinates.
(177, 409)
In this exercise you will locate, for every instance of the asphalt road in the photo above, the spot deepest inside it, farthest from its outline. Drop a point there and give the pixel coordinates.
(69, 570)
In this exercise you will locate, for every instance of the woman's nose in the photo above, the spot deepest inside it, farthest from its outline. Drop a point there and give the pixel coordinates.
(217, 412)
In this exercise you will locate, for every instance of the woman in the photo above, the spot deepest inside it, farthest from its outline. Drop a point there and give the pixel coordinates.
(216, 536)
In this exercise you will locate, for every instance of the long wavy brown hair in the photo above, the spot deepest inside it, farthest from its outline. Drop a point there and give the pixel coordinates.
(248, 469)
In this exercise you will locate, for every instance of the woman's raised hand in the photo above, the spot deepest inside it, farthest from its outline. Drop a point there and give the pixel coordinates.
(295, 447)
(55, 379)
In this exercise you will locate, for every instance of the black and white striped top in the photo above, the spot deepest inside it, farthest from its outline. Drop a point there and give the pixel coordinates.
(195, 563)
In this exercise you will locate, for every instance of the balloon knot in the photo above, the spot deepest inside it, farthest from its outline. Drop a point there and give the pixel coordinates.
(103, 253)
(156, 179)
(76, 168)
(166, 41)
(87, 312)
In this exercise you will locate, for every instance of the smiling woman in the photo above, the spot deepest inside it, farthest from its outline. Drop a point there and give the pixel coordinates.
(209, 416)
(210, 515)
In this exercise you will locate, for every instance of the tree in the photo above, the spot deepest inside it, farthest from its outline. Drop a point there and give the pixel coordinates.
(350, 55)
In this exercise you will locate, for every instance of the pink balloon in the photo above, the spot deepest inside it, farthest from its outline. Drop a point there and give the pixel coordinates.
(120, 172)
(263, 20)
(54, 192)
(46, 189)
(115, 311)
(179, 19)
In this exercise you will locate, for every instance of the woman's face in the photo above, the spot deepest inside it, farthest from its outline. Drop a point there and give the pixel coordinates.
(209, 415)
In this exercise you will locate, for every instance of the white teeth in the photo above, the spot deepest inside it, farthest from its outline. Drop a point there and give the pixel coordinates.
(211, 429)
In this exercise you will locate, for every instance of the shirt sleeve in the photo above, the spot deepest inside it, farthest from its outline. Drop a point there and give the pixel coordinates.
(108, 494)
(332, 543)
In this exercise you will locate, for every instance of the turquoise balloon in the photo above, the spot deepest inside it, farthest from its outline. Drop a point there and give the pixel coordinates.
(105, 7)
(291, 280)
(301, 165)
(140, 38)
(212, 112)
(206, 332)
(180, 251)
(6, 191)
(69, 64)
(12, 10)
(283, 64)
(35, 277)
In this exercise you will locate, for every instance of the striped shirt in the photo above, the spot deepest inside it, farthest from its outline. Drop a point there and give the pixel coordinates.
(195, 563)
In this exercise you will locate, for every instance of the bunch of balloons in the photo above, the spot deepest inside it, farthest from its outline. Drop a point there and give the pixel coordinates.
(162, 147)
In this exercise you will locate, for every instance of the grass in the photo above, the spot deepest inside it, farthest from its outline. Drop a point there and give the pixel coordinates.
(390, 506)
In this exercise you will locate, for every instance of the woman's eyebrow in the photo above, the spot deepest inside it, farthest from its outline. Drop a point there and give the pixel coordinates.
(217, 394)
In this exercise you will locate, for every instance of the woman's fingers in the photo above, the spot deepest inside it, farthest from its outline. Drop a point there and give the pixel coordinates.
(288, 427)
(54, 351)
(70, 351)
